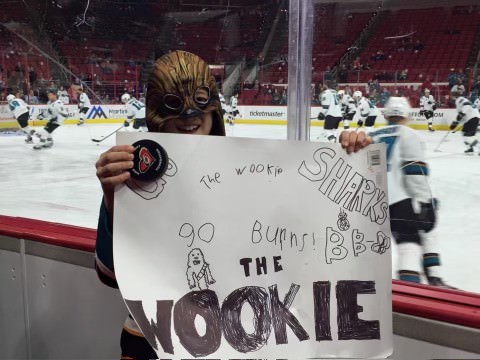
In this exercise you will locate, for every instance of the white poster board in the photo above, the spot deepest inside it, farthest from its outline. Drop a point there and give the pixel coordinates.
(258, 249)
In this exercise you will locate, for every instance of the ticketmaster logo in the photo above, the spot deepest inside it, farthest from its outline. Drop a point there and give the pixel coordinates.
(96, 112)
(267, 113)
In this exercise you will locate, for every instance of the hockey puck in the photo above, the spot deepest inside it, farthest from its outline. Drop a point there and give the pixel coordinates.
(150, 160)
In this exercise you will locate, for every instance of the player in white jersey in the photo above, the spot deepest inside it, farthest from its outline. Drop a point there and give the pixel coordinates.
(476, 104)
(62, 95)
(367, 112)
(83, 106)
(21, 113)
(135, 112)
(330, 112)
(427, 107)
(348, 108)
(56, 114)
(232, 111)
(468, 116)
(226, 110)
(408, 188)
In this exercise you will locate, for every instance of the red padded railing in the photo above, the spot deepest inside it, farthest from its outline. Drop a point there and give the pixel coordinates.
(73, 237)
(451, 306)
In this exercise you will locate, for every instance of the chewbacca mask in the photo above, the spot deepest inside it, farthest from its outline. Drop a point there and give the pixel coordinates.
(180, 86)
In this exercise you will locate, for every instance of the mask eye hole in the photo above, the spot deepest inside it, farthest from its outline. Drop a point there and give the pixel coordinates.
(202, 95)
(173, 102)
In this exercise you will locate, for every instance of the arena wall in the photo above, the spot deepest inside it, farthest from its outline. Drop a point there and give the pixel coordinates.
(271, 115)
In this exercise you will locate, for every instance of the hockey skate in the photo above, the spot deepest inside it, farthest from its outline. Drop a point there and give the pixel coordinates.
(436, 281)
(469, 150)
(29, 139)
(44, 144)
(431, 129)
(81, 122)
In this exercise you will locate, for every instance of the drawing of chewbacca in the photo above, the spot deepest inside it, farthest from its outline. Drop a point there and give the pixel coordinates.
(199, 275)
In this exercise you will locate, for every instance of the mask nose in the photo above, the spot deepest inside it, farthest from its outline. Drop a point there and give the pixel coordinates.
(189, 113)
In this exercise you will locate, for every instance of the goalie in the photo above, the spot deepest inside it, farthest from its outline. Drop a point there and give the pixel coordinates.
(135, 112)
(427, 107)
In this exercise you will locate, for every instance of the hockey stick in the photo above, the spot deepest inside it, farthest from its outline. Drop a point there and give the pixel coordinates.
(441, 142)
(107, 136)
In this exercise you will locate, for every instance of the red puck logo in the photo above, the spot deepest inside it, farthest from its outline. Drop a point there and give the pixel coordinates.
(146, 160)
(150, 160)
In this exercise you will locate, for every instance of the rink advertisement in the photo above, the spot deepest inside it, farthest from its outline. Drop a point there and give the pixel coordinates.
(275, 115)
(250, 248)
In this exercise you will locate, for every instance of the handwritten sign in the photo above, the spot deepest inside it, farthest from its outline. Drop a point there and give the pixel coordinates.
(257, 249)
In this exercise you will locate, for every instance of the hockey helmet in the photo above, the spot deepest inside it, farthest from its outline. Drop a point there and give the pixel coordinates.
(357, 95)
(10, 97)
(125, 98)
(398, 107)
(427, 91)
(341, 93)
(181, 86)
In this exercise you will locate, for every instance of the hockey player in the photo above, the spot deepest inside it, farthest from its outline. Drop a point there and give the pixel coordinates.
(232, 112)
(427, 107)
(83, 106)
(225, 106)
(468, 116)
(408, 189)
(348, 108)
(56, 114)
(222, 101)
(62, 95)
(330, 112)
(135, 112)
(21, 113)
(367, 112)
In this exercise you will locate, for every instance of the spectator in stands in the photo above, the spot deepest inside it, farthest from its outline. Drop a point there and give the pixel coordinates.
(32, 75)
(427, 84)
(32, 99)
(458, 89)
(418, 47)
(461, 75)
(380, 55)
(402, 76)
(347, 90)
(276, 97)
(366, 66)
(356, 64)
(475, 88)
(284, 98)
(452, 78)
(327, 75)
(373, 86)
(343, 73)
(267, 90)
(19, 69)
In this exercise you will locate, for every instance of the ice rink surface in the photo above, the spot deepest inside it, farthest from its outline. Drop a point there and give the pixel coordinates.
(59, 185)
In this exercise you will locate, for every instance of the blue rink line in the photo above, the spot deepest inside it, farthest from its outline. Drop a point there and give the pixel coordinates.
(10, 133)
